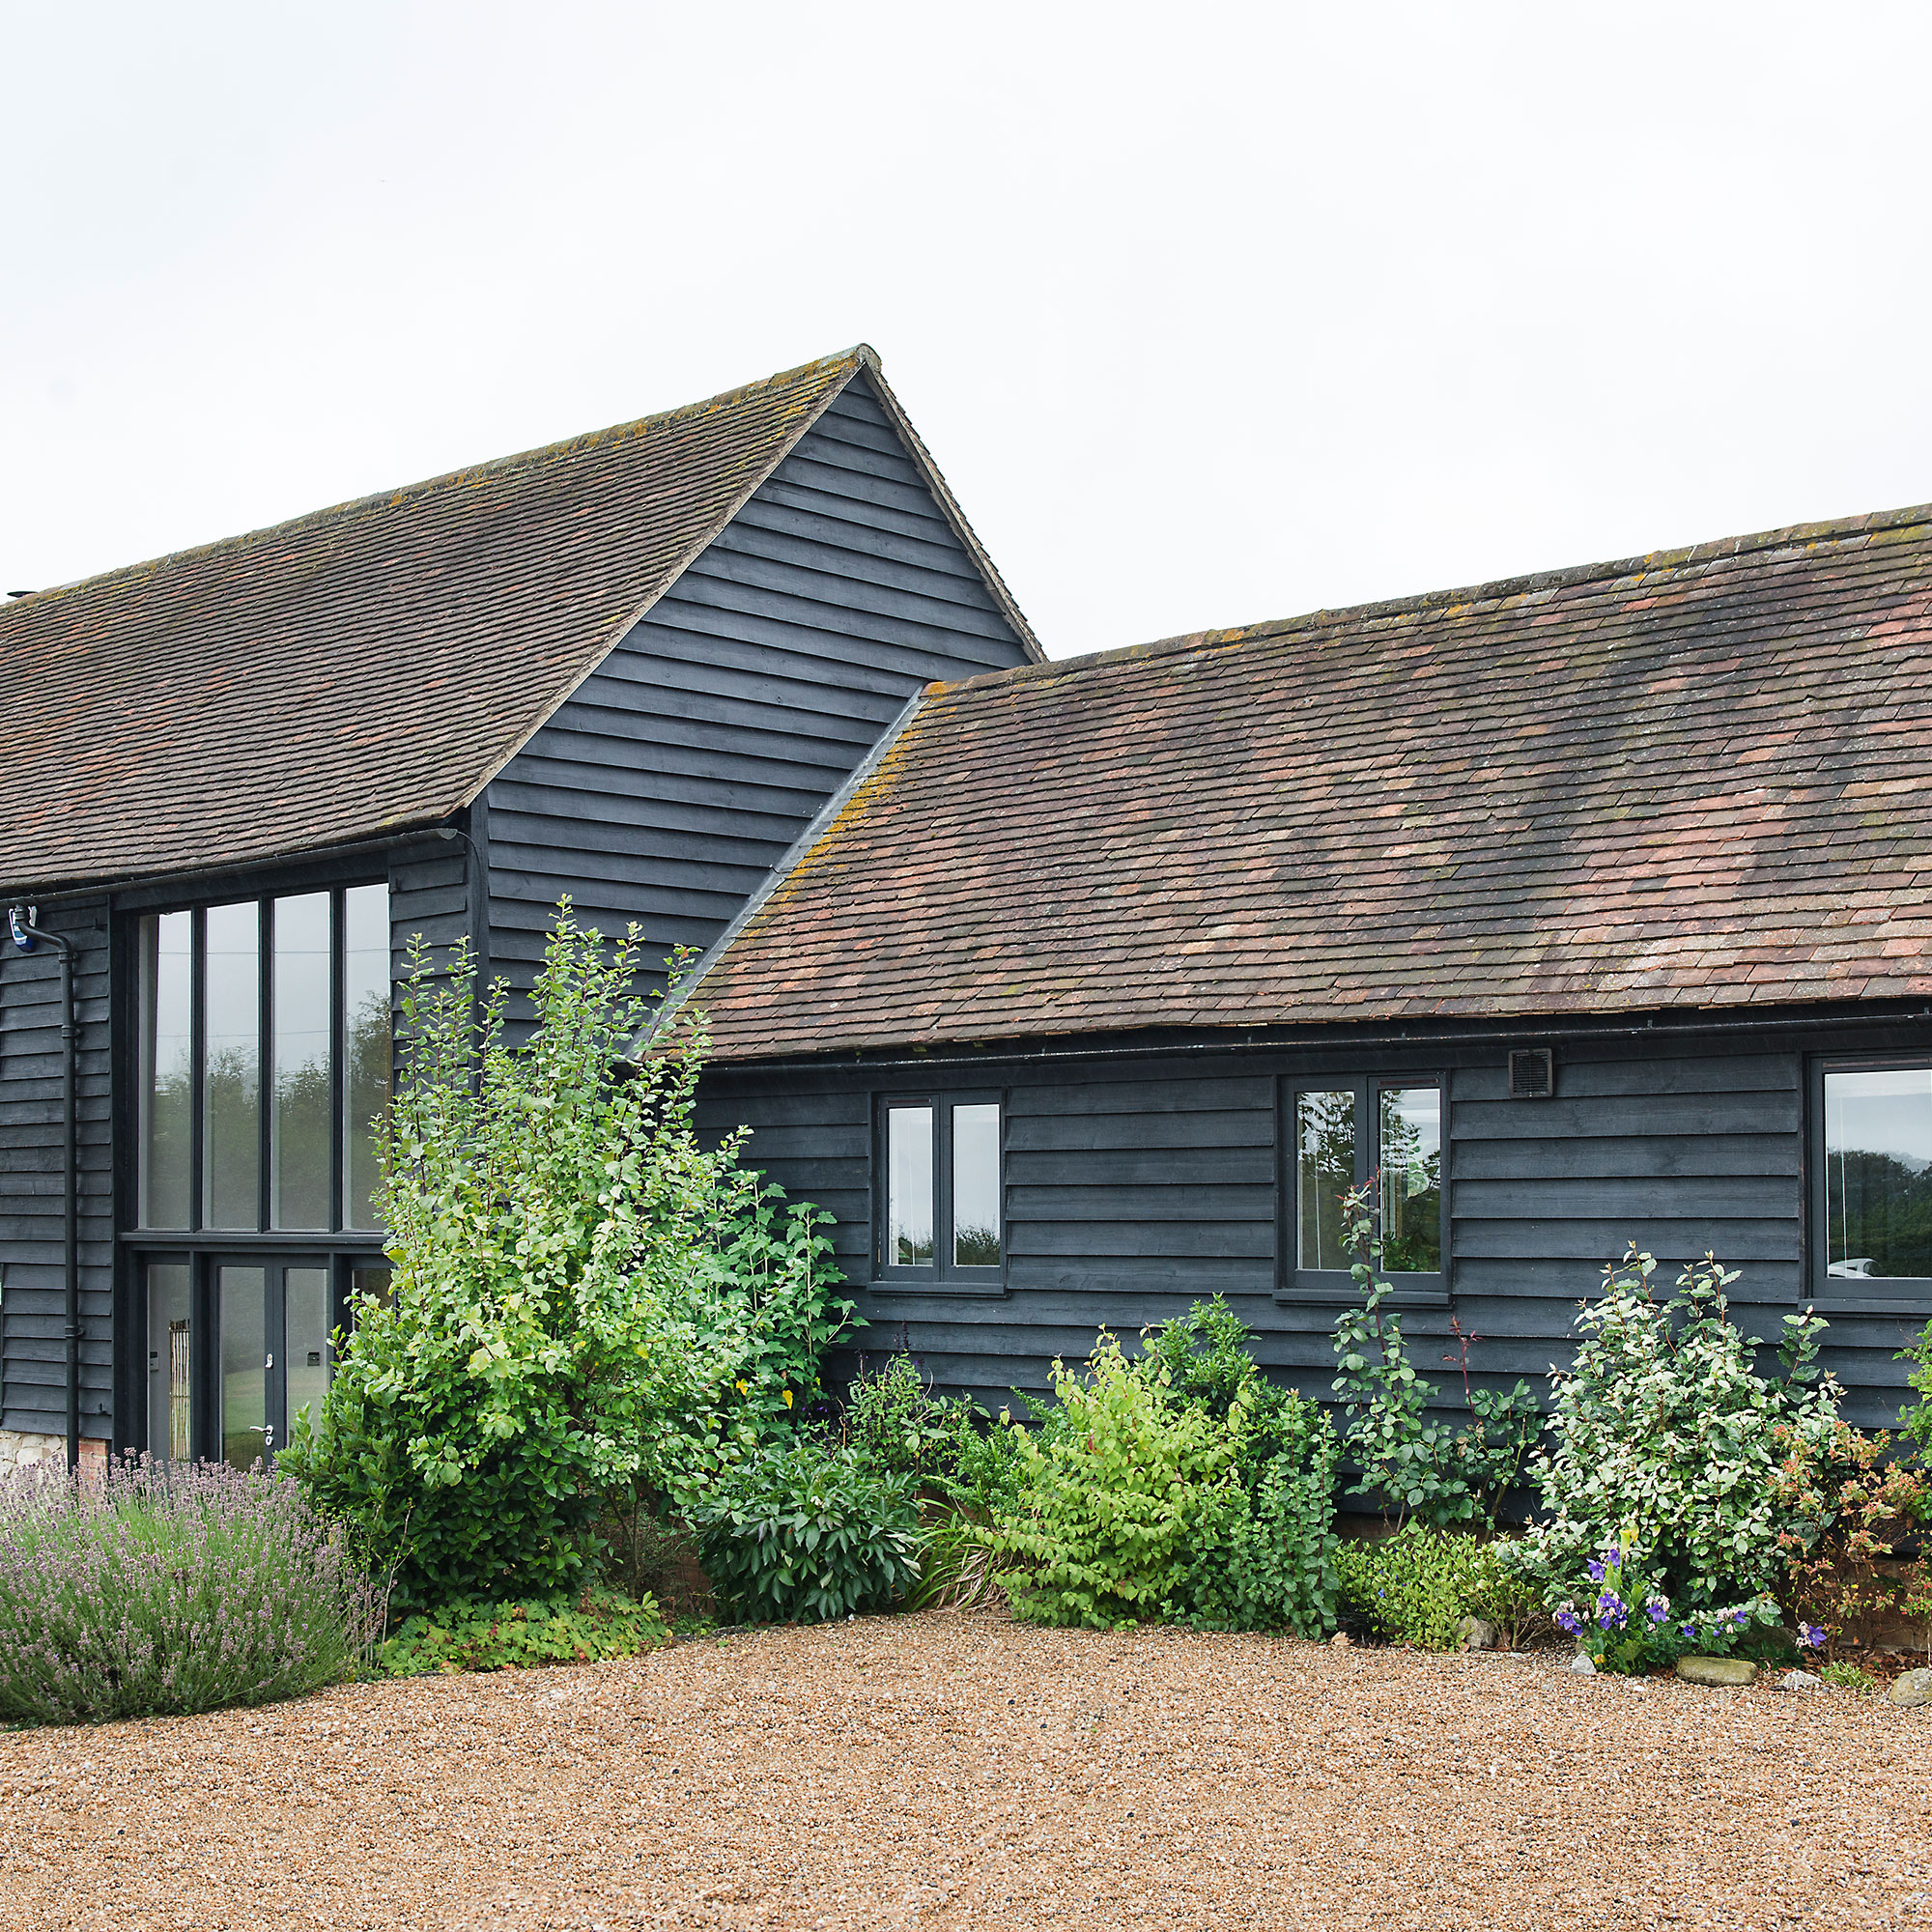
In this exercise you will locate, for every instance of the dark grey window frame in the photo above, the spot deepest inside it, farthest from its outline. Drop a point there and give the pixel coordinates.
(1906, 1295)
(1332, 1287)
(944, 1277)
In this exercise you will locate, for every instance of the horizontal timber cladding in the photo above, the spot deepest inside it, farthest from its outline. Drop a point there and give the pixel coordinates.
(677, 775)
(1136, 1186)
(32, 1351)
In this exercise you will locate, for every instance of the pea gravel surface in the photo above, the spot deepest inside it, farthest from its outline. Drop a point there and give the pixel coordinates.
(957, 1771)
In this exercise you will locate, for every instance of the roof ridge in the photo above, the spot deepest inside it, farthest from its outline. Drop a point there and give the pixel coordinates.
(860, 355)
(1653, 563)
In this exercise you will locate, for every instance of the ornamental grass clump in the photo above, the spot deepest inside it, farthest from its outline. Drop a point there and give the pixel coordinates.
(152, 1589)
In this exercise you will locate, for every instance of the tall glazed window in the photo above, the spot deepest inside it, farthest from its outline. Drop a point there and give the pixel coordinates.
(365, 963)
(231, 1073)
(264, 1046)
(167, 1082)
(302, 1063)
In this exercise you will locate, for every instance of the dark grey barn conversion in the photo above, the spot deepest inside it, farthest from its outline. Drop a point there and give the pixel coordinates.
(1581, 909)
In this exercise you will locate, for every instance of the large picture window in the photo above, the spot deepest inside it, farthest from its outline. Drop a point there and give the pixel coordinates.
(1874, 1235)
(941, 1214)
(1340, 1134)
(264, 1059)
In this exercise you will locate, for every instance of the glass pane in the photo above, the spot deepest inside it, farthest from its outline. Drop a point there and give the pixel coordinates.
(1878, 1175)
(909, 1198)
(366, 995)
(1410, 1162)
(305, 1327)
(170, 1362)
(167, 1046)
(243, 1298)
(1325, 1171)
(372, 1282)
(976, 1186)
(298, 1130)
(232, 1083)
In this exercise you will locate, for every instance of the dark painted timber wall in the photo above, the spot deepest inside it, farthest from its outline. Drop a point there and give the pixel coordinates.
(33, 1352)
(666, 788)
(1136, 1186)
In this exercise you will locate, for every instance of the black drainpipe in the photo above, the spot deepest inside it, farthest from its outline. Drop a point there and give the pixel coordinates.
(26, 933)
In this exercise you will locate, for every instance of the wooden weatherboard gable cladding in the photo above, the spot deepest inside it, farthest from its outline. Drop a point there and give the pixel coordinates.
(630, 667)
(1670, 818)
(673, 778)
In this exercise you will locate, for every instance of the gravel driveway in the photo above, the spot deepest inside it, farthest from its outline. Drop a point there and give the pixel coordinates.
(953, 1771)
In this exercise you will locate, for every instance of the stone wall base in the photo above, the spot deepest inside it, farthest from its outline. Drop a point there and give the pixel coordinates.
(19, 1450)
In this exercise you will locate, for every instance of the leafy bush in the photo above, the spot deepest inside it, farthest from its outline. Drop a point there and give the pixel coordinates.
(1916, 1421)
(894, 1424)
(466, 1635)
(1181, 1486)
(1118, 1500)
(1666, 1452)
(589, 1306)
(1415, 1467)
(1849, 1504)
(152, 1589)
(1418, 1584)
(799, 1532)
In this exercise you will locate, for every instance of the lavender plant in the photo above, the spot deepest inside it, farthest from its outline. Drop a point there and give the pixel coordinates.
(152, 1589)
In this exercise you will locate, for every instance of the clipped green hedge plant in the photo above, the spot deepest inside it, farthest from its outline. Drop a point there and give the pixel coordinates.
(1417, 1585)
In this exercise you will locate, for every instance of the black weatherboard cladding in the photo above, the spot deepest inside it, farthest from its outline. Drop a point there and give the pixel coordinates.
(1135, 1186)
(33, 1372)
(669, 783)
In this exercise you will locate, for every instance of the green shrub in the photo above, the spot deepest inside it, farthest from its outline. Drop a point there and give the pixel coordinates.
(1417, 1468)
(894, 1424)
(799, 1532)
(590, 1308)
(1665, 1465)
(1181, 1487)
(468, 1634)
(160, 1589)
(1417, 1585)
(1118, 1502)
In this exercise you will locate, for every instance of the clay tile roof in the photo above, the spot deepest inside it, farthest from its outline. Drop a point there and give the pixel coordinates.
(1700, 779)
(366, 669)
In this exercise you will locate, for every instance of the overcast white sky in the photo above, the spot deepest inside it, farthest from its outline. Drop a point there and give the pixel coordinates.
(1210, 314)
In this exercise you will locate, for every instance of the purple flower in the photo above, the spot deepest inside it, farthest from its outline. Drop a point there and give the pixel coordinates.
(1596, 1570)
(1690, 1629)
(1611, 1610)
(1657, 1609)
(1811, 1636)
(1740, 1617)
(1567, 1619)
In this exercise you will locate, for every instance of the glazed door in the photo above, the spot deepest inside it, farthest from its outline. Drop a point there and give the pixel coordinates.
(273, 1320)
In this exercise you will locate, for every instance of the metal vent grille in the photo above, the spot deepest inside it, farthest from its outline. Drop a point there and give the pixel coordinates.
(1532, 1073)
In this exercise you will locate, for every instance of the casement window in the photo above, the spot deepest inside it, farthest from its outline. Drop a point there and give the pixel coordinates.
(940, 1169)
(1871, 1242)
(1337, 1134)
